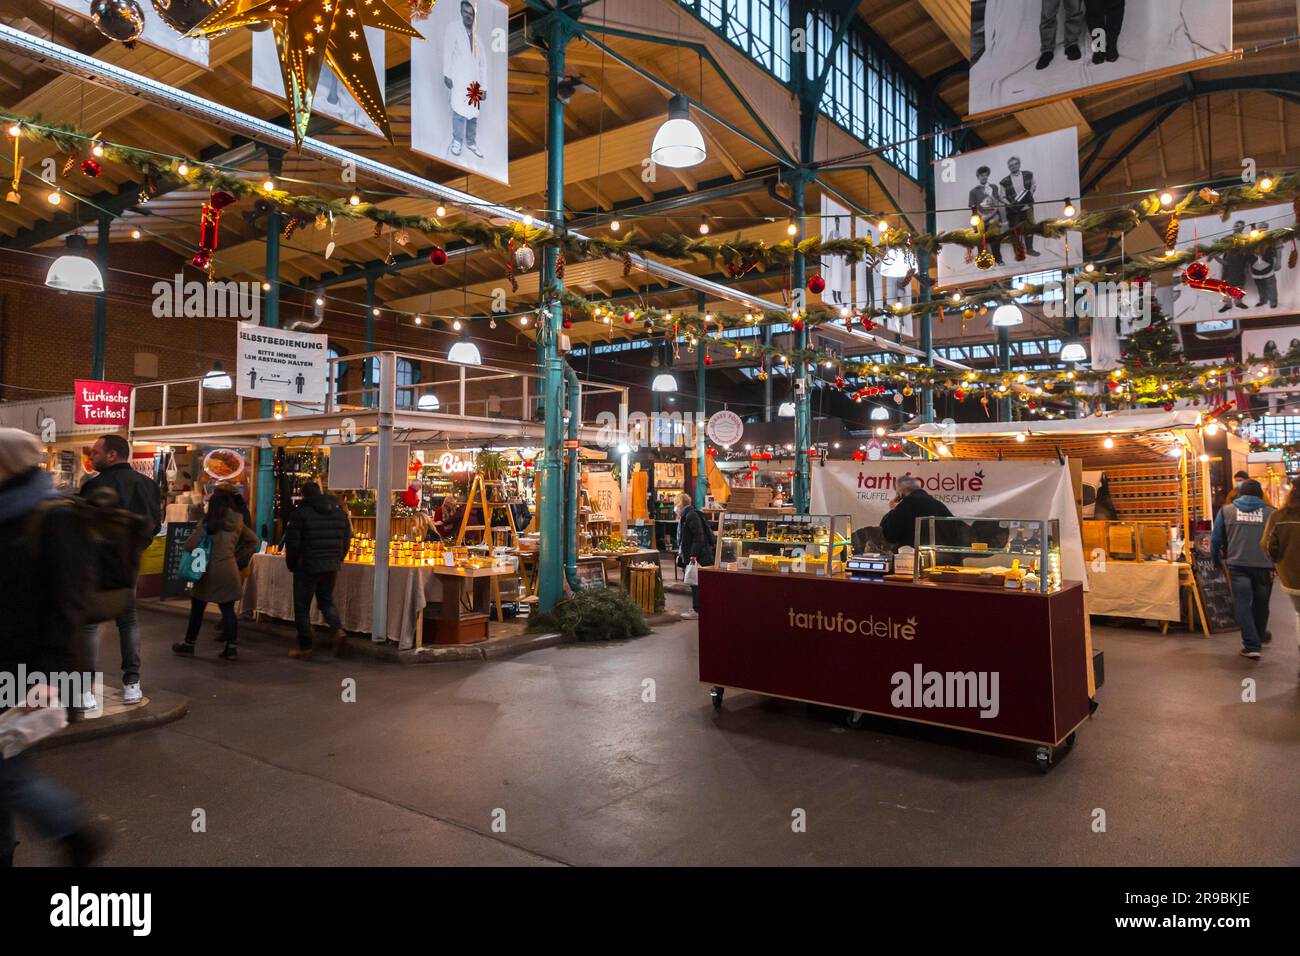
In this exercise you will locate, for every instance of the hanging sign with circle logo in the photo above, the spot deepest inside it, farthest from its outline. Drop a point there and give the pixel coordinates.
(724, 428)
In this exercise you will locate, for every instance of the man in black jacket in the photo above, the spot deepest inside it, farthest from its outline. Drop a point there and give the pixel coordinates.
(40, 611)
(111, 458)
(898, 527)
(315, 544)
(1018, 195)
(695, 539)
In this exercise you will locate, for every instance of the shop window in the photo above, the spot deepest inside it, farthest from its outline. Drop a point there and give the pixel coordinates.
(406, 375)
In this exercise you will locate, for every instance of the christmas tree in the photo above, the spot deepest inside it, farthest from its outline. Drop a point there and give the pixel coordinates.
(1154, 345)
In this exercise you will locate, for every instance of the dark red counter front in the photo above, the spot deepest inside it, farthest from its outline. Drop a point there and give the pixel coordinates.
(987, 660)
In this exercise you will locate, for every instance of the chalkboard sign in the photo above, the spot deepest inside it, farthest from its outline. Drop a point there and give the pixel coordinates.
(642, 534)
(591, 575)
(1212, 582)
(173, 585)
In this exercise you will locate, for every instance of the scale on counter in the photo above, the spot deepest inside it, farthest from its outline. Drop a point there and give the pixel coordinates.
(869, 567)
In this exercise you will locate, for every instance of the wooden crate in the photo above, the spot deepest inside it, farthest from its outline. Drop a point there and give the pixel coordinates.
(641, 585)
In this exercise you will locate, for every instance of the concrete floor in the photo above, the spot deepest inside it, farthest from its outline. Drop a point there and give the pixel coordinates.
(560, 744)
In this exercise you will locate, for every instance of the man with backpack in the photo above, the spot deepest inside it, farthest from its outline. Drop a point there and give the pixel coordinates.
(315, 544)
(42, 602)
(111, 458)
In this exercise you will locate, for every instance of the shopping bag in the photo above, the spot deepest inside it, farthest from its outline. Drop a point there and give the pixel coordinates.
(692, 573)
(20, 727)
(194, 564)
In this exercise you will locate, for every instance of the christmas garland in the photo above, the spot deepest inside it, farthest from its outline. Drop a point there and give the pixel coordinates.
(737, 255)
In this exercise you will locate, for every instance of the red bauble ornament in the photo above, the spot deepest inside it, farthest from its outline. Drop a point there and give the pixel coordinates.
(438, 256)
(812, 452)
(1168, 406)
(959, 395)
(567, 324)
(1112, 385)
(798, 325)
(816, 284)
(867, 324)
(90, 167)
(628, 318)
(708, 360)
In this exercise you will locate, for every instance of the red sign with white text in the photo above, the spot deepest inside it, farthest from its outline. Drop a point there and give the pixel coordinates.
(101, 403)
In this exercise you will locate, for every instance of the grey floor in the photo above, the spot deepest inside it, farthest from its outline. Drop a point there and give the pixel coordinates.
(559, 752)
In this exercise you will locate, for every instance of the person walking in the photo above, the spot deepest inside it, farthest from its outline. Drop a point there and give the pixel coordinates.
(315, 544)
(1282, 545)
(695, 541)
(45, 587)
(1239, 536)
(230, 540)
(111, 458)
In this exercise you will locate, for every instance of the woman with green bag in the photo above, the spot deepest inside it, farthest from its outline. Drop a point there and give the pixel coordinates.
(229, 541)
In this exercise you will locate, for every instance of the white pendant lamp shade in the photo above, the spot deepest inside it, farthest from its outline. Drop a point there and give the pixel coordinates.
(786, 410)
(428, 402)
(74, 271)
(465, 353)
(1006, 315)
(218, 378)
(1074, 352)
(880, 414)
(678, 142)
(664, 382)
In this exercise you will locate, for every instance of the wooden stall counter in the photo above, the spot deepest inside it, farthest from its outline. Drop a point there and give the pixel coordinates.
(1008, 663)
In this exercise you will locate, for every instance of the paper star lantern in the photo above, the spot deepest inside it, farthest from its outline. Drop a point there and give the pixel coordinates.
(312, 33)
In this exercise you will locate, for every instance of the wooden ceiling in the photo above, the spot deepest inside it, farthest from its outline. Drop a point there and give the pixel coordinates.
(607, 136)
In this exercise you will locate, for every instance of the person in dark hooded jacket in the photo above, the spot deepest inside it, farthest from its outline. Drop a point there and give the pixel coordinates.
(1238, 537)
(45, 588)
(315, 544)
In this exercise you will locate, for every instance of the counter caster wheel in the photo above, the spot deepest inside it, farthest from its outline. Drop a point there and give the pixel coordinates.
(715, 695)
(1069, 742)
(1092, 706)
(1044, 759)
(855, 719)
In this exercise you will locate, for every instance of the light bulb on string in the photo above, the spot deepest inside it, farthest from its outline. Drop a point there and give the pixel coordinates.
(15, 130)
(182, 168)
(135, 233)
(456, 325)
(440, 212)
(55, 197)
(704, 225)
(528, 221)
(268, 185)
(975, 219)
(1069, 209)
(614, 225)
(354, 199)
(1266, 184)
(1166, 198)
(97, 150)
(791, 228)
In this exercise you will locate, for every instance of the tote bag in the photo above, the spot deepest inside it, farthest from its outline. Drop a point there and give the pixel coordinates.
(194, 564)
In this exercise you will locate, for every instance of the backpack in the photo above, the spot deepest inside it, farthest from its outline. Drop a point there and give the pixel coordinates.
(115, 540)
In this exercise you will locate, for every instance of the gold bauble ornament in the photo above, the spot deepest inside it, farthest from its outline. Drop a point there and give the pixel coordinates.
(985, 261)
(308, 35)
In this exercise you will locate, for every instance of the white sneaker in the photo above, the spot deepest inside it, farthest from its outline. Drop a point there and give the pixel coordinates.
(88, 702)
(688, 615)
(131, 693)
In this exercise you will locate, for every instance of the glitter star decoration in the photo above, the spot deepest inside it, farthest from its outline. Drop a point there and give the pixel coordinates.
(310, 34)
(474, 94)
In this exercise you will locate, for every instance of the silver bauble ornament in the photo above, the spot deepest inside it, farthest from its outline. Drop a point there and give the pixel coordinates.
(524, 258)
(184, 15)
(120, 20)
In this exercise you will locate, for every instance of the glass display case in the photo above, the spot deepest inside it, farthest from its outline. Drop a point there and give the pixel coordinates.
(1012, 553)
(1132, 540)
(783, 544)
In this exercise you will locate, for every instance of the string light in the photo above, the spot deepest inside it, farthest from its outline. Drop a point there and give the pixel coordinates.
(182, 168)
(1166, 198)
(528, 221)
(956, 297)
(55, 197)
(975, 219)
(704, 225)
(419, 320)
(97, 150)
(354, 200)
(1265, 184)
(791, 229)
(456, 325)
(614, 225)
(15, 130)
(440, 212)
(135, 233)
(1069, 209)
(1108, 442)
(268, 186)
(374, 312)
(884, 225)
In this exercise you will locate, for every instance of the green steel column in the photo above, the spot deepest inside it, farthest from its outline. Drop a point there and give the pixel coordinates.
(802, 406)
(1004, 363)
(551, 511)
(701, 459)
(100, 346)
(367, 379)
(265, 511)
(923, 261)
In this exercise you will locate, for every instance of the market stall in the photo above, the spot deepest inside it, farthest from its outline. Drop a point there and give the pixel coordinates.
(788, 613)
(1142, 482)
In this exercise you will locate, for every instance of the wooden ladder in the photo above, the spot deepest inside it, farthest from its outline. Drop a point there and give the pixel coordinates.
(488, 508)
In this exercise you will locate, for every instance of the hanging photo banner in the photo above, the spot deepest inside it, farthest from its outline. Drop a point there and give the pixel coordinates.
(280, 365)
(836, 223)
(459, 87)
(1025, 52)
(1267, 272)
(156, 32)
(1007, 186)
(1010, 490)
(332, 98)
(1268, 345)
(101, 403)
